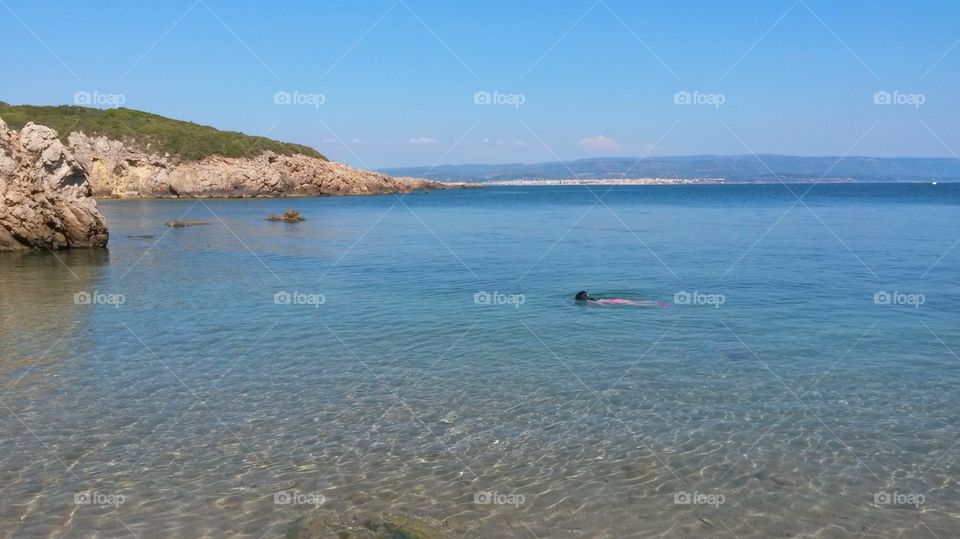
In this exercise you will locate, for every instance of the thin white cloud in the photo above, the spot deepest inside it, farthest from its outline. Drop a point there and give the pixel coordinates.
(518, 143)
(416, 141)
(423, 140)
(601, 143)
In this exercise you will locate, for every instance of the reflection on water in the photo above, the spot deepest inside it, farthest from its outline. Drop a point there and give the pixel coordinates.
(178, 399)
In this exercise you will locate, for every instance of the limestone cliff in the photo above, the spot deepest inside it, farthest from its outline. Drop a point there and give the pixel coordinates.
(123, 170)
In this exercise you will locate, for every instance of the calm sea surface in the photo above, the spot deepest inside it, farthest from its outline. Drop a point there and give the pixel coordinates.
(423, 355)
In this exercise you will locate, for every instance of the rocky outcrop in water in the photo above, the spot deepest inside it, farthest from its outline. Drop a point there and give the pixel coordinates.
(289, 217)
(45, 198)
(184, 224)
(118, 169)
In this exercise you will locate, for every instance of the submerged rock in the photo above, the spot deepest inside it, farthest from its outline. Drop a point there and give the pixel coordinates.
(289, 216)
(184, 224)
(46, 201)
(323, 524)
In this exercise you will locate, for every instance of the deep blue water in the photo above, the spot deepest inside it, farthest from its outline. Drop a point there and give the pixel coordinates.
(790, 388)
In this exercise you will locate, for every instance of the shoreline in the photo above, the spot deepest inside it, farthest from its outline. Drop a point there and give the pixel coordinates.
(692, 181)
(640, 182)
(610, 181)
(436, 186)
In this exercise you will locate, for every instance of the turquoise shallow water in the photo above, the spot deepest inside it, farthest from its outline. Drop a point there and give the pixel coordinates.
(786, 399)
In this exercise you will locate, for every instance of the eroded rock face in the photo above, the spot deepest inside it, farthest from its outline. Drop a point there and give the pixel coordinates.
(45, 198)
(117, 169)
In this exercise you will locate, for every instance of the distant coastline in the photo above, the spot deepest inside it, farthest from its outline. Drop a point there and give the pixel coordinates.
(607, 181)
(681, 181)
(731, 168)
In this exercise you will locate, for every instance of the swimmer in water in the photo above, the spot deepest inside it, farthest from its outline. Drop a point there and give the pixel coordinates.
(583, 296)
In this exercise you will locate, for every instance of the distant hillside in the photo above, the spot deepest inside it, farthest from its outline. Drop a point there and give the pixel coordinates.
(149, 132)
(734, 168)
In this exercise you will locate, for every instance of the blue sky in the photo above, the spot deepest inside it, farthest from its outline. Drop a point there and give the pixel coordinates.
(394, 82)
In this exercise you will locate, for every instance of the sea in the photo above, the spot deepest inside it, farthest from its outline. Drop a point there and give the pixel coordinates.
(792, 372)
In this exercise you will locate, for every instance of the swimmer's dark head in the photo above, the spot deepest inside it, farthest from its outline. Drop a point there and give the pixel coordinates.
(582, 296)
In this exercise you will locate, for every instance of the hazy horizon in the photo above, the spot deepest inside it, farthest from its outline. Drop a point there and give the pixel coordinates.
(685, 156)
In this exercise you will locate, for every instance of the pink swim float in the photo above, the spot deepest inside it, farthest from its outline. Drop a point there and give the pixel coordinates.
(583, 297)
(616, 301)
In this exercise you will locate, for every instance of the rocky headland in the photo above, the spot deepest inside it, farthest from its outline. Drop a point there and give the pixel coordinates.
(121, 169)
(134, 154)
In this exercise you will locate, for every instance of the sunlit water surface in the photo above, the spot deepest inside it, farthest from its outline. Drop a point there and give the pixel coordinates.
(782, 401)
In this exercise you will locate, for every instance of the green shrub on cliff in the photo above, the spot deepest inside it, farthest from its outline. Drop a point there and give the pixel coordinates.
(186, 140)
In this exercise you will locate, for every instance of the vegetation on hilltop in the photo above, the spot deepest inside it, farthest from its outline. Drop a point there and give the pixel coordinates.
(149, 132)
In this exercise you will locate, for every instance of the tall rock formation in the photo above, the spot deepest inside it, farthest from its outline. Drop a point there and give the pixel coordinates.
(45, 198)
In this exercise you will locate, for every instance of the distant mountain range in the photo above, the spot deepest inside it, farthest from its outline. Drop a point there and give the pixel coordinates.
(732, 168)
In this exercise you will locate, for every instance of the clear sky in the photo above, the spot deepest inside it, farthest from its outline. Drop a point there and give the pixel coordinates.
(395, 82)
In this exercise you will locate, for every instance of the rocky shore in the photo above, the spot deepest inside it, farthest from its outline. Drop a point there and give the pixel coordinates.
(117, 169)
(46, 201)
(48, 187)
